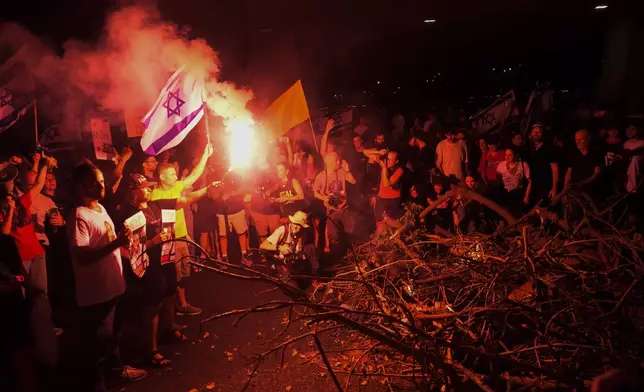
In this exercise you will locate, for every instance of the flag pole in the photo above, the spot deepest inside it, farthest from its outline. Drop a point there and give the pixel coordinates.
(315, 141)
(36, 119)
(205, 114)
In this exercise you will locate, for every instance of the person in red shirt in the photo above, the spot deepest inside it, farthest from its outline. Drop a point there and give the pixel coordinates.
(16, 221)
(490, 160)
(388, 202)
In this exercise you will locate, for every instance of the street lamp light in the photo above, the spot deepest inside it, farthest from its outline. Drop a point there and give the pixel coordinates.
(601, 6)
(429, 21)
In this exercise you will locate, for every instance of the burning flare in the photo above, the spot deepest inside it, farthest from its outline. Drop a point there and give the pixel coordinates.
(242, 145)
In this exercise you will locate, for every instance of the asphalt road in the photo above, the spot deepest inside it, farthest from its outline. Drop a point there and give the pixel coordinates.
(217, 358)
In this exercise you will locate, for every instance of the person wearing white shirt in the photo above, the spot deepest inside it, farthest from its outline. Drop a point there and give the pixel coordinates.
(98, 273)
(451, 156)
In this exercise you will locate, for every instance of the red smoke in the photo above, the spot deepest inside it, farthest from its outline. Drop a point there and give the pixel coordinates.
(125, 70)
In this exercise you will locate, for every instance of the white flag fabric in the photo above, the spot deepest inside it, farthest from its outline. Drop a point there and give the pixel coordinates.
(178, 109)
(16, 89)
(8, 122)
(496, 115)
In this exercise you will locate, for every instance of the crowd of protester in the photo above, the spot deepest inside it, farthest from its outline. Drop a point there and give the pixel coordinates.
(76, 264)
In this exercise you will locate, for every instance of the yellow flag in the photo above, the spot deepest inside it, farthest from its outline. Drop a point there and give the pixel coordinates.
(287, 111)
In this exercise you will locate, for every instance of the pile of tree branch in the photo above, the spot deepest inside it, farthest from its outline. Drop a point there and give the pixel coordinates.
(541, 306)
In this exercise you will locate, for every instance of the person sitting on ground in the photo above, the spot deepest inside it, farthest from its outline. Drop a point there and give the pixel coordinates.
(470, 213)
(441, 219)
(288, 242)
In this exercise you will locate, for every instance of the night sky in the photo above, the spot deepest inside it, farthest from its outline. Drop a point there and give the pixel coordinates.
(340, 49)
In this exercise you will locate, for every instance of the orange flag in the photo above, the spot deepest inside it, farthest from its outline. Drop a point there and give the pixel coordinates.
(287, 111)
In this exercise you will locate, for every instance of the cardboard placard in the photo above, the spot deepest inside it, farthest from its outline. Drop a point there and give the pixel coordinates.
(102, 139)
(168, 216)
(133, 124)
(136, 221)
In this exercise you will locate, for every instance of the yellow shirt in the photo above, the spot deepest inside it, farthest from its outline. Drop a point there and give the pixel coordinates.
(180, 229)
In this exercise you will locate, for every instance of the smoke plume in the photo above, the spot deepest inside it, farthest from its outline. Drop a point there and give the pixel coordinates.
(124, 71)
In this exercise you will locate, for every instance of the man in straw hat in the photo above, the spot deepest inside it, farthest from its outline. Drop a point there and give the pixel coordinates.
(288, 242)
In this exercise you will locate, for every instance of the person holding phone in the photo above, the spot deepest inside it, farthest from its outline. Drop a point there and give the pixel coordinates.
(150, 283)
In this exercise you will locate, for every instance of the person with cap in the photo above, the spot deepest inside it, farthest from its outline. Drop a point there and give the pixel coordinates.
(151, 281)
(288, 243)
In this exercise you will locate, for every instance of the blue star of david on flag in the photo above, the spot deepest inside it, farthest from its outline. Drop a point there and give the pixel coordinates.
(6, 98)
(178, 108)
(489, 118)
(178, 103)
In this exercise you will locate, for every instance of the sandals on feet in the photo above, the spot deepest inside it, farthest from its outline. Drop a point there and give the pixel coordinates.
(158, 360)
(179, 336)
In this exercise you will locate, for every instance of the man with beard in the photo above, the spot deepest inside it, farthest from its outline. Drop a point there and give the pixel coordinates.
(451, 156)
(98, 274)
(153, 282)
(544, 167)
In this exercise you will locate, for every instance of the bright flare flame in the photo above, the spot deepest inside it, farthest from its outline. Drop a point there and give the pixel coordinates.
(242, 144)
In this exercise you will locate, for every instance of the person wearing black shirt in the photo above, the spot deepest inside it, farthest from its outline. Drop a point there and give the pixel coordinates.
(150, 278)
(232, 218)
(614, 172)
(357, 159)
(287, 193)
(544, 168)
(518, 144)
(420, 156)
(441, 219)
(585, 165)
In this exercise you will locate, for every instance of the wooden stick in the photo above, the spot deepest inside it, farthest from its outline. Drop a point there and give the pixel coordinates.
(315, 141)
(327, 363)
